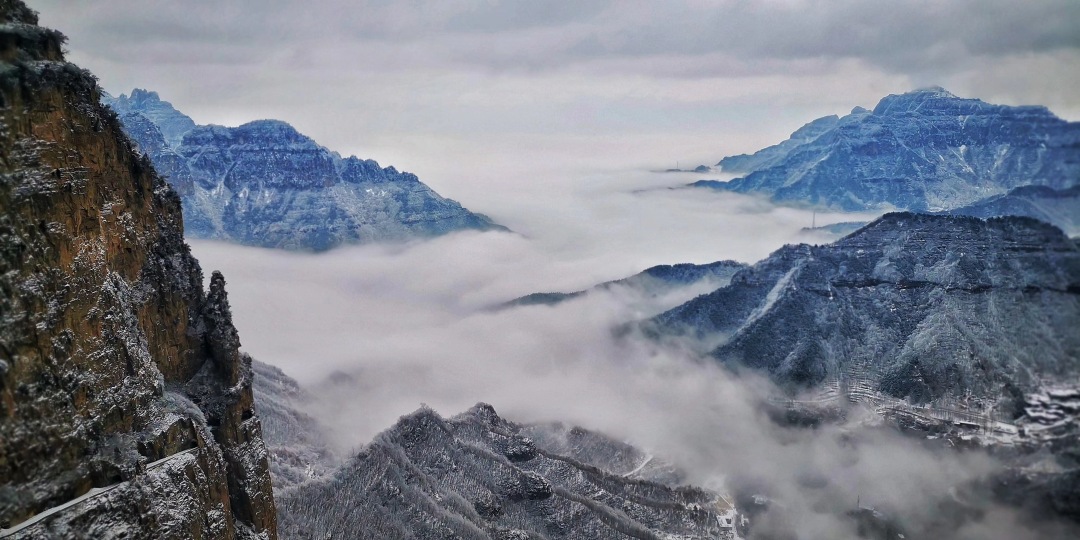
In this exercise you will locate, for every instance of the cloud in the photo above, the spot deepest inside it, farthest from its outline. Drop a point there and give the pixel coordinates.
(912, 35)
(457, 91)
(374, 331)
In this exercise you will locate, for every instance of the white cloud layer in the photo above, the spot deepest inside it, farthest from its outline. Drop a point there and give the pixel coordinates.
(374, 331)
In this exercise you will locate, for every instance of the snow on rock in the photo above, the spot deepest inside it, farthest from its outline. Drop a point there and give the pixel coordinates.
(911, 152)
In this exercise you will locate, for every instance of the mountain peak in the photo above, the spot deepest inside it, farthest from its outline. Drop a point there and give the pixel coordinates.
(172, 123)
(142, 95)
(273, 131)
(936, 91)
(924, 150)
(929, 98)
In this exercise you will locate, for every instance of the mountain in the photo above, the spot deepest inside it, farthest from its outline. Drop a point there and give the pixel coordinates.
(125, 404)
(650, 283)
(265, 184)
(918, 307)
(926, 150)
(480, 476)
(297, 442)
(1059, 207)
(172, 123)
(476, 475)
(773, 155)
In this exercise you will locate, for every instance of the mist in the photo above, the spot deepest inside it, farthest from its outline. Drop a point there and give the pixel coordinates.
(375, 331)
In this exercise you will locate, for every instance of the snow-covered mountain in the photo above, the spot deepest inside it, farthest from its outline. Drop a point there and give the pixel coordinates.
(477, 475)
(1059, 207)
(265, 184)
(926, 150)
(911, 306)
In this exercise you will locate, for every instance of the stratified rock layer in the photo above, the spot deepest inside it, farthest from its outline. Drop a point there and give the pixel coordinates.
(125, 406)
(265, 184)
(926, 150)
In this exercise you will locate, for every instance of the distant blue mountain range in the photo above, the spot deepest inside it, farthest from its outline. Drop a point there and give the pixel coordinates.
(266, 184)
(926, 150)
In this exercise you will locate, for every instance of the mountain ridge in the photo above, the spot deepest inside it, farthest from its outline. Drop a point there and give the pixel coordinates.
(477, 475)
(925, 150)
(926, 307)
(264, 183)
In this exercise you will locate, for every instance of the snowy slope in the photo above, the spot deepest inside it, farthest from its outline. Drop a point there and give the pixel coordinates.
(922, 307)
(479, 476)
(926, 150)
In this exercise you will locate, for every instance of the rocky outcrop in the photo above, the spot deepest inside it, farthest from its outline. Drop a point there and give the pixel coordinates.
(913, 306)
(479, 476)
(926, 150)
(125, 405)
(265, 184)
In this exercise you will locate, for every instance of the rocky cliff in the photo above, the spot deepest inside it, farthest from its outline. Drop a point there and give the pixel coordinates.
(265, 184)
(125, 405)
(480, 476)
(912, 306)
(926, 150)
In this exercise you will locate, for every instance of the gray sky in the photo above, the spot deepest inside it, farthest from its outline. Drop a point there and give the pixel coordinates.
(473, 94)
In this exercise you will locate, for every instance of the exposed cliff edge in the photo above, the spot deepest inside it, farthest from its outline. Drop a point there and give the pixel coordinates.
(125, 404)
(265, 184)
(925, 150)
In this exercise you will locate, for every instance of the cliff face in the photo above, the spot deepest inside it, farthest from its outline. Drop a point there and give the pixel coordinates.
(926, 150)
(266, 184)
(121, 384)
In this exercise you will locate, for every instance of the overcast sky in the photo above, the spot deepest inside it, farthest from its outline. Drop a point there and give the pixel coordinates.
(451, 88)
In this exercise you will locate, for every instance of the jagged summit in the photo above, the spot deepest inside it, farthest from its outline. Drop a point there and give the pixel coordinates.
(172, 123)
(926, 150)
